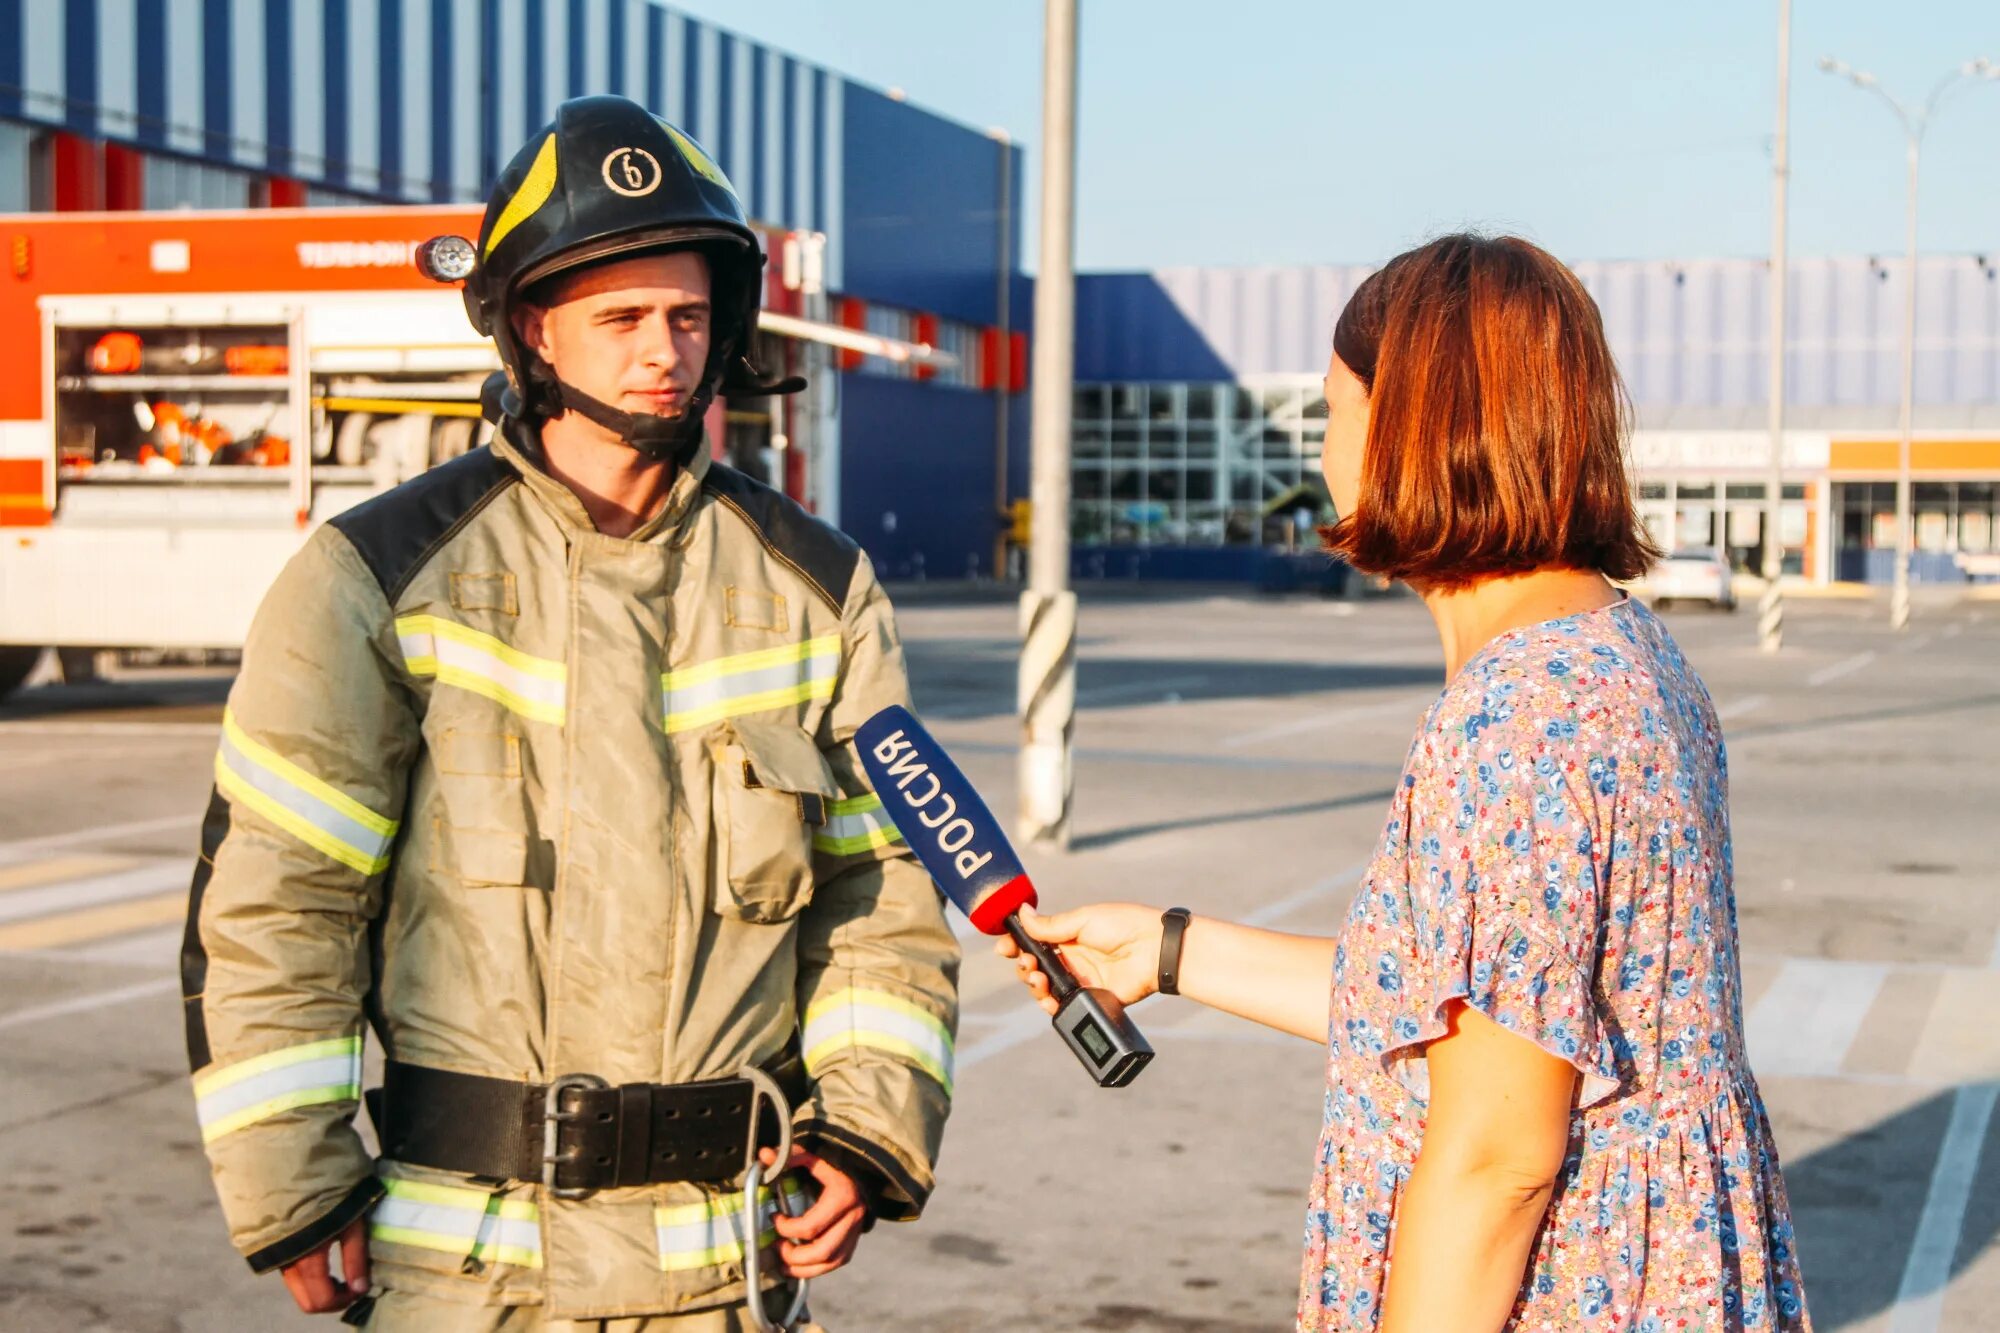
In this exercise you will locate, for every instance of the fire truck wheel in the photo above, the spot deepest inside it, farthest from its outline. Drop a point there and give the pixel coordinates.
(450, 437)
(349, 437)
(16, 663)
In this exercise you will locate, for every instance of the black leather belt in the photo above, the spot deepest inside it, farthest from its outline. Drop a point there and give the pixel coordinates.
(576, 1134)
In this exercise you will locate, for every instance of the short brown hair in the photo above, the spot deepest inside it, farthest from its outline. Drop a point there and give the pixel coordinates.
(1497, 420)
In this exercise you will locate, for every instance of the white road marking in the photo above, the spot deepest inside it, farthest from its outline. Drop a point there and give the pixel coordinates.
(1847, 666)
(1023, 1023)
(153, 950)
(1806, 1021)
(82, 1004)
(1291, 903)
(1326, 718)
(1920, 1297)
(26, 847)
(65, 896)
(1918, 644)
(1749, 703)
(1952, 630)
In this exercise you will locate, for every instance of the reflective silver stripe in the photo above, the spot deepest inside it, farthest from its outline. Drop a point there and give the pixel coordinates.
(876, 1020)
(686, 698)
(855, 825)
(230, 1097)
(457, 655)
(317, 813)
(756, 682)
(458, 1221)
(702, 1235)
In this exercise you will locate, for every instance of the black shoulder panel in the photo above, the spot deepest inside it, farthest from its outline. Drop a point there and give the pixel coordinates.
(397, 532)
(819, 553)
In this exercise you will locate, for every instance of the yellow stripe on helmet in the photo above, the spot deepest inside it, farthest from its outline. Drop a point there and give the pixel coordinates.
(536, 187)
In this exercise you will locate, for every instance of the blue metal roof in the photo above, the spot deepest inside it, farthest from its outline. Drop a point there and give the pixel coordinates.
(1686, 333)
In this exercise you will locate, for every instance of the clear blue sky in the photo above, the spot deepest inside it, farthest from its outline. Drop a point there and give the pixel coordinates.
(1296, 131)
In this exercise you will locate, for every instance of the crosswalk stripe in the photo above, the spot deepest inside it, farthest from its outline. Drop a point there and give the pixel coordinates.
(1806, 1021)
(34, 874)
(1883, 1044)
(70, 895)
(94, 922)
(27, 847)
(1960, 1043)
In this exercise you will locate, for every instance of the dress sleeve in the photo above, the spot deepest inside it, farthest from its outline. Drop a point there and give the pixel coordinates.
(1505, 902)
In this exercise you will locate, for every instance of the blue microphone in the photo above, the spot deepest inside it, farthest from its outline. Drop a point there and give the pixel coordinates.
(959, 842)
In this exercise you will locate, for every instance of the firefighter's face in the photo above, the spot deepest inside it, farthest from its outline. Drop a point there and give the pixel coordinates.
(633, 333)
(1346, 434)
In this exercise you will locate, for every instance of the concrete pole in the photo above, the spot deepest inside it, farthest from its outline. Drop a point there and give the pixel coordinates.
(1047, 691)
(1771, 611)
(1899, 596)
(1003, 319)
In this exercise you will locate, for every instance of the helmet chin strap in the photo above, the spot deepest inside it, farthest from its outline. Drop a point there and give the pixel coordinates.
(663, 439)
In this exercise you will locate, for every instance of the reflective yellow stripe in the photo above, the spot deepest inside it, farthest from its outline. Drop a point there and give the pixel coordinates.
(857, 824)
(702, 1235)
(321, 816)
(457, 1221)
(536, 187)
(750, 683)
(742, 662)
(230, 1097)
(749, 703)
(858, 843)
(461, 656)
(698, 159)
(876, 1020)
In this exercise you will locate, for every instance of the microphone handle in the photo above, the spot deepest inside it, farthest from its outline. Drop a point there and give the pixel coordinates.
(1062, 981)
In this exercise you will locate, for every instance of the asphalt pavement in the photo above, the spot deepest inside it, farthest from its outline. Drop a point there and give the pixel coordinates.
(1234, 756)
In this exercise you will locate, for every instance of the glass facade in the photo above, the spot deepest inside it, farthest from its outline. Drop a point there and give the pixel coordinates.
(1952, 517)
(1693, 512)
(1195, 464)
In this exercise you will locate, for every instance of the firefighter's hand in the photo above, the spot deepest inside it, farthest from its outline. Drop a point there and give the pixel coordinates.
(311, 1280)
(823, 1237)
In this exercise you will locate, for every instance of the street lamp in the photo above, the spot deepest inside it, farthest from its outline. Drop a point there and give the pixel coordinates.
(1914, 124)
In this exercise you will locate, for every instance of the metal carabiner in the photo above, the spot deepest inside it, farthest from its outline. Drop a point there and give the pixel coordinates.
(764, 1088)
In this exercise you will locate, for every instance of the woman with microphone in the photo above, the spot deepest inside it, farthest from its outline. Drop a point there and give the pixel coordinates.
(1539, 1114)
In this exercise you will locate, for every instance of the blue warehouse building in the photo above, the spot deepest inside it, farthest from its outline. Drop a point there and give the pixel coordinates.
(223, 104)
(1195, 418)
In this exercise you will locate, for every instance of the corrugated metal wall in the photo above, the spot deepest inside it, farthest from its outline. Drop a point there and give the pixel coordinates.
(1687, 334)
(419, 99)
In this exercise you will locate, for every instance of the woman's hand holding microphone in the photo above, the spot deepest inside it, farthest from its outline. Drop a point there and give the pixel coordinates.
(1114, 946)
(1282, 981)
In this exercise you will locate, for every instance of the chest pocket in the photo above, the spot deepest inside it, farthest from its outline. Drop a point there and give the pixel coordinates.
(480, 833)
(772, 788)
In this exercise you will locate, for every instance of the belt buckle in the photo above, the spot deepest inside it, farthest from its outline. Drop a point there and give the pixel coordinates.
(553, 1119)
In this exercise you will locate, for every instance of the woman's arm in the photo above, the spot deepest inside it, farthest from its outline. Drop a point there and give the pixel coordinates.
(1494, 1142)
(1282, 981)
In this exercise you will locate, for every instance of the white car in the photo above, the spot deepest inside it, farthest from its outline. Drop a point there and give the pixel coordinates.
(1695, 575)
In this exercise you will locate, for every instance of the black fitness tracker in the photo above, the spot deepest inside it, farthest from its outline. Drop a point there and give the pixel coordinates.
(1173, 925)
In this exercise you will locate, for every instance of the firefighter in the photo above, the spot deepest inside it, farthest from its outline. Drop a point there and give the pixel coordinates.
(542, 763)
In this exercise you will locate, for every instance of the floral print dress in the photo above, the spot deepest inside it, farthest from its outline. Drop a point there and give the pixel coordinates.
(1557, 857)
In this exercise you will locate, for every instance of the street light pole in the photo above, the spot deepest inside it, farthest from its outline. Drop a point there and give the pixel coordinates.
(1914, 125)
(1899, 595)
(1771, 611)
(1046, 696)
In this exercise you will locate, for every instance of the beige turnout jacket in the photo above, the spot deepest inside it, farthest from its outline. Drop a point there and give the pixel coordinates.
(535, 801)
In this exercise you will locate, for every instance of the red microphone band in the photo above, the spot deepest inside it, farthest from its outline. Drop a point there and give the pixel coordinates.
(992, 911)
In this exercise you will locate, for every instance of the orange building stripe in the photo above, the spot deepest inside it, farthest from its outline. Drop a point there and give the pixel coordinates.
(1939, 456)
